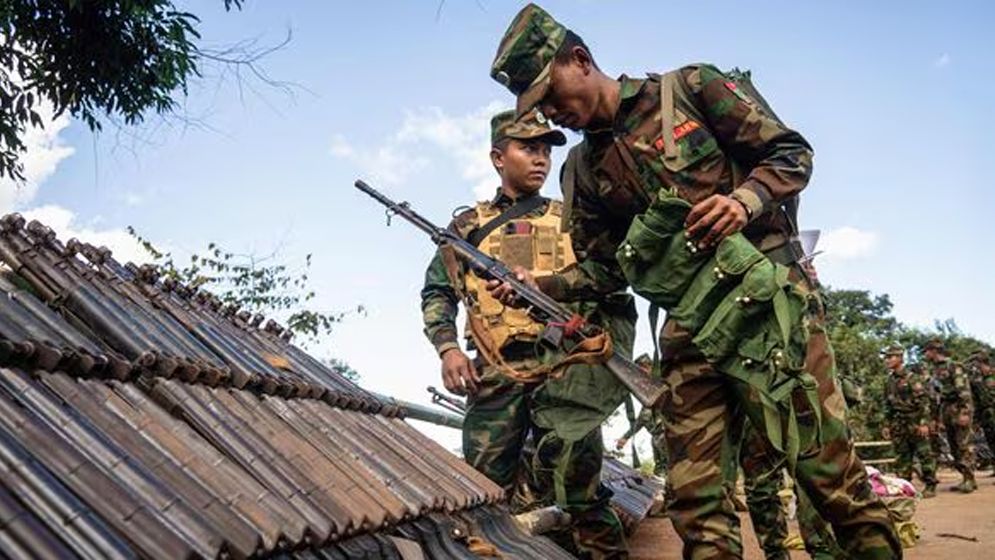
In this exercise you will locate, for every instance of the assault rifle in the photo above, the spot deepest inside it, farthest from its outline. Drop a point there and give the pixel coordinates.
(564, 329)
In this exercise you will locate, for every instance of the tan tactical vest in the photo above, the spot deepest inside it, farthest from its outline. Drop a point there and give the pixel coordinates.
(537, 244)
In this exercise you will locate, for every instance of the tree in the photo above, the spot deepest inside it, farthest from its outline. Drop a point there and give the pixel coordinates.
(860, 325)
(259, 285)
(95, 59)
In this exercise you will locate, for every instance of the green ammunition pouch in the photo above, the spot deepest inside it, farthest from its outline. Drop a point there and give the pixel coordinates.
(745, 315)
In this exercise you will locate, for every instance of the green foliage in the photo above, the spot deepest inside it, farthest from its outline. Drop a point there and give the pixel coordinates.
(342, 368)
(860, 326)
(117, 59)
(257, 284)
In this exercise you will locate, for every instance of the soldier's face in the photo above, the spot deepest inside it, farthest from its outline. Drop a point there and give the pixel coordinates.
(573, 94)
(893, 361)
(524, 164)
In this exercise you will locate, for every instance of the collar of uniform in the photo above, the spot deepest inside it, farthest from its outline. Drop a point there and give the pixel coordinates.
(503, 200)
(628, 90)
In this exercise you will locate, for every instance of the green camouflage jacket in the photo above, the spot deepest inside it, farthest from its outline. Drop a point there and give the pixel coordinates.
(907, 399)
(982, 387)
(723, 142)
(439, 298)
(953, 384)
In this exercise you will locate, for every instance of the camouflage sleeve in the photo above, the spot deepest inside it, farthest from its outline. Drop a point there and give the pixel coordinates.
(439, 306)
(923, 401)
(594, 239)
(779, 159)
(963, 385)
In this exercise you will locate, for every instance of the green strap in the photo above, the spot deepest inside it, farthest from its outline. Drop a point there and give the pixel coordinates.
(560, 474)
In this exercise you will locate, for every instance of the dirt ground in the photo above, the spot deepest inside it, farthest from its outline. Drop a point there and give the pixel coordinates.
(947, 522)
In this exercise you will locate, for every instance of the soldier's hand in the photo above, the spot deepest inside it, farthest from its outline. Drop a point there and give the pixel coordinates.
(923, 431)
(503, 292)
(620, 443)
(964, 419)
(458, 373)
(714, 219)
(886, 433)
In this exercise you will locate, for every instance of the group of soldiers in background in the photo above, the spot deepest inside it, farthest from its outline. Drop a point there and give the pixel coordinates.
(938, 398)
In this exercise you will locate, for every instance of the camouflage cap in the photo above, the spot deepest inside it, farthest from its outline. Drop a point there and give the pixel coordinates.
(525, 55)
(894, 350)
(980, 355)
(531, 126)
(934, 343)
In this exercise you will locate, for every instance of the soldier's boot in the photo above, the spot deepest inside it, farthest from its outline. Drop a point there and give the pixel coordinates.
(929, 491)
(967, 485)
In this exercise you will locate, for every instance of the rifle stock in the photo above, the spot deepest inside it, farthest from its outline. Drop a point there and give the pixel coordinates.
(544, 308)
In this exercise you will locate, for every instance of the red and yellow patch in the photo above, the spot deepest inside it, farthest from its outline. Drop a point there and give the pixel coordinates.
(680, 131)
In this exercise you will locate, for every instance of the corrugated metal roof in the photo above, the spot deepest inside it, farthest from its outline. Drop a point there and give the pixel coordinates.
(139, 418)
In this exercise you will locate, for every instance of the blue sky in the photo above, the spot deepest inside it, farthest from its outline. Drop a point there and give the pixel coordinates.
(896, 98)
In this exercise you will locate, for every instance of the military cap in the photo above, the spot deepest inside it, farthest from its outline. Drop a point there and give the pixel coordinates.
(934, 343)
(530, 126)
(980, 355)
(894, 350)
(525, 55)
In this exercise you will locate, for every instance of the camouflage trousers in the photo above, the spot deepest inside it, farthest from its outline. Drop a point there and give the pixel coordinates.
(499, 421)
(910, 446)
(985, 418)
(960, 438)
(706, 411)
(770, 524)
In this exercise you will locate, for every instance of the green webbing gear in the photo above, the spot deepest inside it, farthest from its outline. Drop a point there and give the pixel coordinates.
(745, 314)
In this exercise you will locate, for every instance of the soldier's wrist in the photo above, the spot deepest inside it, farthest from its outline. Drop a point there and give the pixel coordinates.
(446, 347)
(750, 201)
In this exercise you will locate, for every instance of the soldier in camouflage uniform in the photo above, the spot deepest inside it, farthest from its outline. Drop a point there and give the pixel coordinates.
(652, 420)
(982, 375)
(735, 164)
(956, 410)
(511, 394)
(907, 409)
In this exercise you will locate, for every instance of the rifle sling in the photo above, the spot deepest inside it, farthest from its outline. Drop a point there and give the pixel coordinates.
(520, 208)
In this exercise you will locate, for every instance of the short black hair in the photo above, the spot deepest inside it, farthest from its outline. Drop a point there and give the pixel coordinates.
(502, 144)
(565, 51)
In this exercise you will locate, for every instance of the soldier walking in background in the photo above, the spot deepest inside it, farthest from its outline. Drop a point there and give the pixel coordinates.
(956, 410)
(982, 376)
(908, 413)
(512, 392)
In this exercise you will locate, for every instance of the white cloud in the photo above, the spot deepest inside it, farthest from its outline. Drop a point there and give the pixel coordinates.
(942, 61)
(45, 150)
(848, 243)
(390, 163)
(463, 139)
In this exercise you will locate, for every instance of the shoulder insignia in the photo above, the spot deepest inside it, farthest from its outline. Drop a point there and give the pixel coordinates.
(731, 86)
